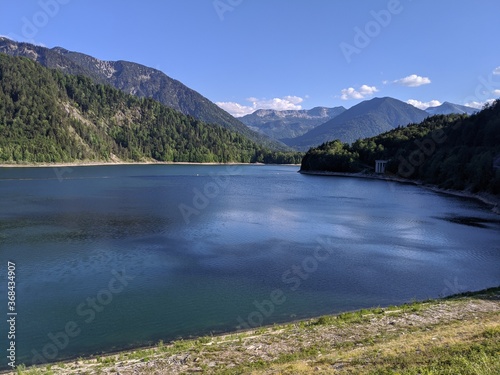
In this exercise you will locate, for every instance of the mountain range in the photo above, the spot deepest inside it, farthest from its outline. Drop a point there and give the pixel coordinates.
(448, 108)
(47, 116)
(302, 129)
(138, 80)
(276, 130)
(366, 119)
(453, 151)
(290, 123)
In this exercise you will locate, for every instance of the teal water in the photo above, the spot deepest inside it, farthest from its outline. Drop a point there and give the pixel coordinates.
(115, 257)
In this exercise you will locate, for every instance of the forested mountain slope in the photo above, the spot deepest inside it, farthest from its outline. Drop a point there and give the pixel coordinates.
(48, 116)
(454, 152)
(138, 80)
(366, 119)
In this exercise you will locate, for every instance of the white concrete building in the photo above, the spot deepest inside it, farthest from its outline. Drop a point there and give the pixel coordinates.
(380, 166)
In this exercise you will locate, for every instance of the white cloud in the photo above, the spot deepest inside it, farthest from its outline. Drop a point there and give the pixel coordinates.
(363, 92)
(496, 92)
(235, 109)
(279, 104)
(479, 105)
(424, 105)
(413, 81)
(496, 71)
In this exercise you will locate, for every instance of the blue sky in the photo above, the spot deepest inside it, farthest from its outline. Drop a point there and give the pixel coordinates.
(285, 54)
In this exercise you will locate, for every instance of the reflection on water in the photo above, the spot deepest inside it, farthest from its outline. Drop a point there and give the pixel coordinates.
(479, 222)
(328, 244)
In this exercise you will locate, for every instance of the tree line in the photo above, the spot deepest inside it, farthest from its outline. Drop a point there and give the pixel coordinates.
(453, 152)
(48, 116)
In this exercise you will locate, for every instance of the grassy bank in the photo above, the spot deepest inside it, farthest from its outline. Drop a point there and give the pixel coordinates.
(457, 335)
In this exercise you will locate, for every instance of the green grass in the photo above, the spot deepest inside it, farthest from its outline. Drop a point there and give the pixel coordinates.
(392, 340)
(478, 358)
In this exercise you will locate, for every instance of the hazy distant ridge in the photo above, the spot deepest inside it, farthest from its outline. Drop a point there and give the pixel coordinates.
(290, 123)
(366, 119)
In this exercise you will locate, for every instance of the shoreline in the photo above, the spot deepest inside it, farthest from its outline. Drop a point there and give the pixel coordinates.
(215, 352)
(105, 164)
(487, 199)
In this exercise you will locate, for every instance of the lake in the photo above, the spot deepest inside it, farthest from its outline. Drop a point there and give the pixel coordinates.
(114, 257)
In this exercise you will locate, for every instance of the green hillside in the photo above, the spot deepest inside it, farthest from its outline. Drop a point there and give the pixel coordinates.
(140, 81)
(366, 119)
(454, 152)
(48, 116)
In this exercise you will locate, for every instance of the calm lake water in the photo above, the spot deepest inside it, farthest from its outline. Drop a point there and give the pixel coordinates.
(114, 257)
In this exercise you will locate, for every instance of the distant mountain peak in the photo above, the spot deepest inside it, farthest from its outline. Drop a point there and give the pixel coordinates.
(289, 123)
(60, 50)
(368, 118)
(448, 108)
